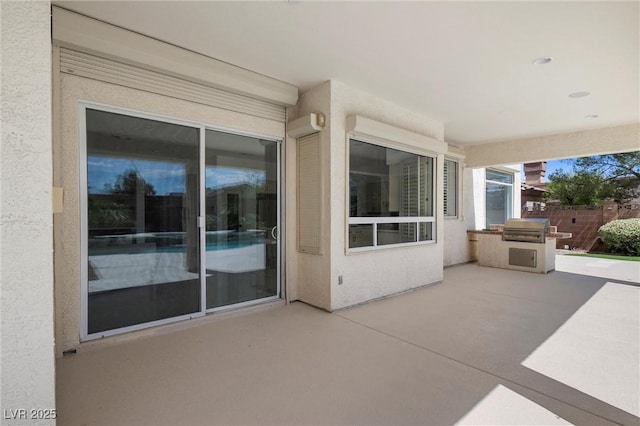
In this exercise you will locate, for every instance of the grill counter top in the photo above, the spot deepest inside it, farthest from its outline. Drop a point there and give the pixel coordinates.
(558, 235)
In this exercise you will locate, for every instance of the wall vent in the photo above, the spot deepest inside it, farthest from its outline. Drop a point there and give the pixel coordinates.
(110, 71)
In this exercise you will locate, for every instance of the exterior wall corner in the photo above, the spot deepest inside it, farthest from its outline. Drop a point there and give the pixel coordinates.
(26, 276)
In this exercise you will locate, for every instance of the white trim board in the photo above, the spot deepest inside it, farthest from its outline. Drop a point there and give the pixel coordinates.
(89, 35)
(369, 130)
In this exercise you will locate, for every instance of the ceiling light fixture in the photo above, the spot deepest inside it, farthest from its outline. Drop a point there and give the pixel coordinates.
(542, 60)
(579, 94)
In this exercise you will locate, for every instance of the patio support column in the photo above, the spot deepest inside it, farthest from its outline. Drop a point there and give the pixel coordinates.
(26, 227)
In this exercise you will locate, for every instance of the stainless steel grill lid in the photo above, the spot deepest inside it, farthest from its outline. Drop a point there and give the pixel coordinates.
(526, 230)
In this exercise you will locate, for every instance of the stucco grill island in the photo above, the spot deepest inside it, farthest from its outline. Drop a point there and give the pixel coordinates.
(521, 244)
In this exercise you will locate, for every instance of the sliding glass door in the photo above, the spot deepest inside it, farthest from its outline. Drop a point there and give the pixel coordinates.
(142, 208)
(178, 220)
(241, 175)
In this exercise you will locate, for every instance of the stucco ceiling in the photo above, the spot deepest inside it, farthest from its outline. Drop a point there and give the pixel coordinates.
(468, 64)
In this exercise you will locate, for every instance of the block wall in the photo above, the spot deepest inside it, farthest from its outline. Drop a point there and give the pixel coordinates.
(583, 221)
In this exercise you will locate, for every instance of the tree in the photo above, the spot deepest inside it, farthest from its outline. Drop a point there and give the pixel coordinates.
(594, 179)
(127, 184)
(577, 189)
(621, 170)
(612, 166)
(107, 214)
(116, 210)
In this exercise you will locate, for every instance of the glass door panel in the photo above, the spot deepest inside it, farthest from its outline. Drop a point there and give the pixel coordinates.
(498, 203)
(142, 208)
(241, 179)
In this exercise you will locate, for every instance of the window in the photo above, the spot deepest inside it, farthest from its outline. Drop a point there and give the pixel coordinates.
(450, 182)
(499, 196)
(390, 196)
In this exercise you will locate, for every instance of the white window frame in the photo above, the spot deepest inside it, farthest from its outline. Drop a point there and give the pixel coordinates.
(374, 221)
(510, 211)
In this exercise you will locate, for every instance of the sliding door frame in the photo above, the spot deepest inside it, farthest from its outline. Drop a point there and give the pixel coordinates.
(82, 108)
(279, 170)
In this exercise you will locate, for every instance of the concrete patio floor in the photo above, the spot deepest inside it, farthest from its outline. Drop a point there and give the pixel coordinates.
(485, 346)
(597, 267)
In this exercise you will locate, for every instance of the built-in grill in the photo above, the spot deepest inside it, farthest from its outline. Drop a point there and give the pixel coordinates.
(526, 230)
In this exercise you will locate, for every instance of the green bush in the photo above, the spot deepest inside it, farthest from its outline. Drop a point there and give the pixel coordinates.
(621, 236)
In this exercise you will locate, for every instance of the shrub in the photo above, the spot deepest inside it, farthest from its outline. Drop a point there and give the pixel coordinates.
(621, 236)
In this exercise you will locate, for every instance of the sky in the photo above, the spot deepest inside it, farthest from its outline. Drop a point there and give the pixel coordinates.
(166, 177)
(552, 166)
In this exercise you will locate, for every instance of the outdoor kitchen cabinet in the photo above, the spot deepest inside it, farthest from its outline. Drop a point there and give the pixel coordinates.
(521, 245)
(496, 253)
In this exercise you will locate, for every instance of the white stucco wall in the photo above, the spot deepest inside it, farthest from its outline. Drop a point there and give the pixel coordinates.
(373, 274)
(308, 275)
(26, 261)
(456, 244)
(477, 185)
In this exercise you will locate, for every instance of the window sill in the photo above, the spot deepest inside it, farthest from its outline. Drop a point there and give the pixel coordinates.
(359, 250)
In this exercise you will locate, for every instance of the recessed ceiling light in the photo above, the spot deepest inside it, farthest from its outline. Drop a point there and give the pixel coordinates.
(578, 94)
(542, 60)
(591, 116)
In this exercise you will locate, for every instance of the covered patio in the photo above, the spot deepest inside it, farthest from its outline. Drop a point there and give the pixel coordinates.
(365, 140)
(484, 346)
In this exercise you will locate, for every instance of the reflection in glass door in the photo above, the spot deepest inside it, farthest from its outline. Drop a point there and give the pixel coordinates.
(241, 207)
(142, 236)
